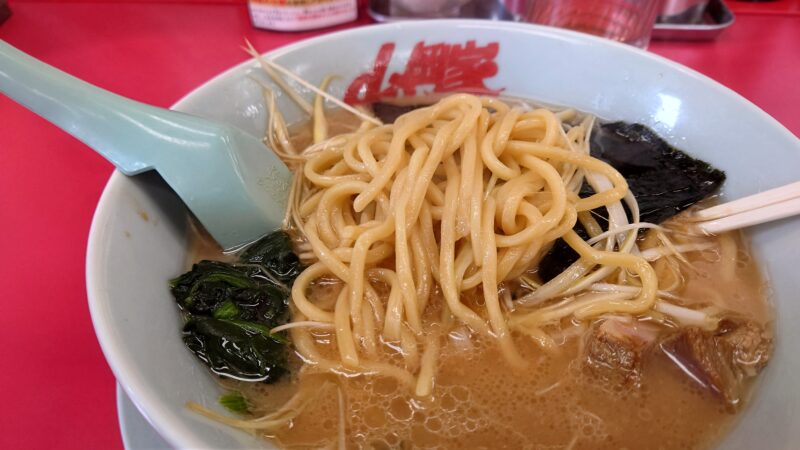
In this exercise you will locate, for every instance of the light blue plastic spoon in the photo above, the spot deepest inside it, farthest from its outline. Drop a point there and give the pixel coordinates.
(234, 184)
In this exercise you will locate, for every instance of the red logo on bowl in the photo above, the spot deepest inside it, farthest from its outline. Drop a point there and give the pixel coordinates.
(432, 68)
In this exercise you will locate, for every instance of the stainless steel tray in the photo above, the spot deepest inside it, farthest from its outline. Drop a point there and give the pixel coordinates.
(717, 18)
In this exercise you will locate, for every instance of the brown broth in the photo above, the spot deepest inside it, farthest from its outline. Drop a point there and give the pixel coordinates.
(480, 402)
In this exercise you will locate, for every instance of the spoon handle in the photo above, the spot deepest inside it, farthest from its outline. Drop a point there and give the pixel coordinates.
(127, 133)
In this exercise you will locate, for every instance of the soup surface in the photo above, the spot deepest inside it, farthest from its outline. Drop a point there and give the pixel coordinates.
(558, 403)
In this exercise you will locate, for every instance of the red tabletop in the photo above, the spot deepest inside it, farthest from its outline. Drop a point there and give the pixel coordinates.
(57, 391)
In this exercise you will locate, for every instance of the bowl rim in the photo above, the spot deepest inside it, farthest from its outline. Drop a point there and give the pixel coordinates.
(149, 404)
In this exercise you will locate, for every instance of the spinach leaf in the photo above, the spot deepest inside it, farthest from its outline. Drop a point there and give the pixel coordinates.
(231, 308)
(208, 285)
(227, 310)
(274, 254)
(234, 402)
(267, 304)
(229, 292)
(235, 350)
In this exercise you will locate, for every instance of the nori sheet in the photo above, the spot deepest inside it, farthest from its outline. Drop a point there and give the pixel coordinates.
(664, 180)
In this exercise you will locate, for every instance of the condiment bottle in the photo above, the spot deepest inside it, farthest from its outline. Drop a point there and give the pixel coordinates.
(300, 15)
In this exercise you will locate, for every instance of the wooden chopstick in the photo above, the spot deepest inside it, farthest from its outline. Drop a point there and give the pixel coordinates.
(763, 207)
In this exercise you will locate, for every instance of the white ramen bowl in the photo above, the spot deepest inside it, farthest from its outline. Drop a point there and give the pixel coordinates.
(131, 255)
